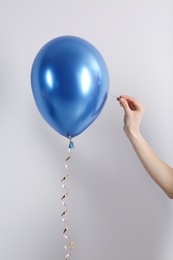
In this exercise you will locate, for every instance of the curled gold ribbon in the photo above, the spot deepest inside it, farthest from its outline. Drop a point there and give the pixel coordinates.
(69, 246)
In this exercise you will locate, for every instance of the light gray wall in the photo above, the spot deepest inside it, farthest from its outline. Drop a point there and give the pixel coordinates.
(115, 210)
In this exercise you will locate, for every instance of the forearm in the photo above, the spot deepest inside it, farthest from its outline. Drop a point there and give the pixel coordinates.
(159, 171)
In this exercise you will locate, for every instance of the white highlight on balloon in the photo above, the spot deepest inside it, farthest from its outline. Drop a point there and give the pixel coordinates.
(86, 80)
(49, 78)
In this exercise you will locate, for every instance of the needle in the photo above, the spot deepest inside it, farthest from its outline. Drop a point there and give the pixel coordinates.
(114, 96)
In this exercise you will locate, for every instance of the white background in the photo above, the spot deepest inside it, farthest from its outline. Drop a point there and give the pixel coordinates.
(115, 210)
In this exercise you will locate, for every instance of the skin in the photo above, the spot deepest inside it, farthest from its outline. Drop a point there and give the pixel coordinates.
(159, 171)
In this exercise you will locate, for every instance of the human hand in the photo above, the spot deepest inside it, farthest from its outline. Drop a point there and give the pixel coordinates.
(133, 112)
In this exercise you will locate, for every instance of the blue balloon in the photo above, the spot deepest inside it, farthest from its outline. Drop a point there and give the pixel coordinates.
(70, 83)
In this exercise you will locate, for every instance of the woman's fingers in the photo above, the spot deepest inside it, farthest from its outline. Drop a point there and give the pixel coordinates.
(132, 102)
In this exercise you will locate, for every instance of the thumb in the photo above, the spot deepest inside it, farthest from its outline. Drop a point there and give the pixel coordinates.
(125, 105)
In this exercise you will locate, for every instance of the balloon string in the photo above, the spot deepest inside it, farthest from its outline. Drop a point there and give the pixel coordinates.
(69, 246)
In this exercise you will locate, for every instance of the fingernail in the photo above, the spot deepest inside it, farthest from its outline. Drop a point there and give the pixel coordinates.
(121, 100)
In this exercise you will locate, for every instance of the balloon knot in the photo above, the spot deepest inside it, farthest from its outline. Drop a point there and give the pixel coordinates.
(71, 144)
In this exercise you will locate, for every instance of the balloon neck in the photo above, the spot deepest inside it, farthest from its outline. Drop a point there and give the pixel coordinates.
(71, 144)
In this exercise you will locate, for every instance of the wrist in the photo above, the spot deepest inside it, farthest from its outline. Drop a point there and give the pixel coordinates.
(132, 134)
